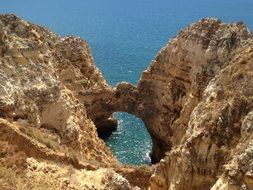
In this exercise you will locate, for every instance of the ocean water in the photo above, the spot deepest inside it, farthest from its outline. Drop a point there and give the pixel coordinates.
(124, 36)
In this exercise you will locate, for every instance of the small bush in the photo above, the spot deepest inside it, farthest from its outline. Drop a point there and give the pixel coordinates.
(73, 157)
(41, 136)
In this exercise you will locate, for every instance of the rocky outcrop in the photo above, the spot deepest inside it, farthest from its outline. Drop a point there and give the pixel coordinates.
(195, 100)
(47, 138)
(35, 90)
(202, 81)
(175, 81)
(181, 72)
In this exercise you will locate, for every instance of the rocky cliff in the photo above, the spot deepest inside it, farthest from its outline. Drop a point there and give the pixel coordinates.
(39, 71)
(47, 138)
(203, 89)
(195, 99)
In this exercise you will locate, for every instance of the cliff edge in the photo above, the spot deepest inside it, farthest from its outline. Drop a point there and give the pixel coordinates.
(201, 81)
(48, 140)
(195, 99)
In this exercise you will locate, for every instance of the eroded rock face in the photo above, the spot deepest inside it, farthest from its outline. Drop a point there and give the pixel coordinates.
(174, 83)
(204, 80)
(180, 73)
(47, 138)
(195, 100)
(36, 77)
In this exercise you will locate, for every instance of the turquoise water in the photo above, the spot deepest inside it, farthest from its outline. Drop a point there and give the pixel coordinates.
(131, 142)
(124, 36)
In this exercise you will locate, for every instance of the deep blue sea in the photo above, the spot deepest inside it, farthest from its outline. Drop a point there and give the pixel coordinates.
(124, 36)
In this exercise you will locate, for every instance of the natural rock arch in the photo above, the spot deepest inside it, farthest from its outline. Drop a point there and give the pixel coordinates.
(196, 100)
(128, 98)
(173, 85)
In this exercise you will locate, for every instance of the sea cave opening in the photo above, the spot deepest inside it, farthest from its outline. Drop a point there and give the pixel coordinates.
(130, 143)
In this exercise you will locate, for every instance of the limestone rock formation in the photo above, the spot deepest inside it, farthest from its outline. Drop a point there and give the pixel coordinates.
(202, 81)
(195, 99)
(47, 138)
(36, 69)
(196, 102)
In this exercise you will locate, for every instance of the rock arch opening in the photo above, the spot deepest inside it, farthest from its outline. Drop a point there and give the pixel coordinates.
(135, 100)
(140, 101)
(131, 143)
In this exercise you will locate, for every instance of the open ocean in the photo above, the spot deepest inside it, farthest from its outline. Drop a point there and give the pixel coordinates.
(125, 36)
